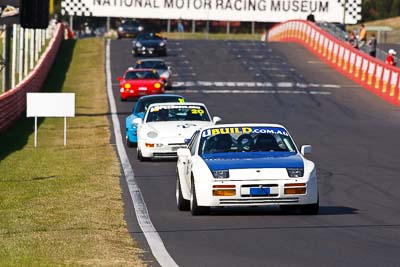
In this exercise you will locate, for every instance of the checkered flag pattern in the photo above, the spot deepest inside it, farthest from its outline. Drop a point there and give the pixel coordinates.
(353, 9)
(75, 8)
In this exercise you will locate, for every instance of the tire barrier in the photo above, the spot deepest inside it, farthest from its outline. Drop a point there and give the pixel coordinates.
(376, 76)
(13, 102)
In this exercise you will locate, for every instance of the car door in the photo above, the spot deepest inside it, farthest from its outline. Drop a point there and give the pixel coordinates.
(192, 147)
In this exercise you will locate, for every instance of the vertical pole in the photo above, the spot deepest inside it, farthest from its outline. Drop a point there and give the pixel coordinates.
(14, 56)
(207, 28)
(108, 24)
(35, 131)
(36, 45)
(344, 11)
(3, 72)
(26, 53)
(169, 25)
(7, 40)
(228, 27)
(253, 27)
(32, 49)
(43, 37)
(65, 131)
(193, 26)
(21, 53)
(71, 22)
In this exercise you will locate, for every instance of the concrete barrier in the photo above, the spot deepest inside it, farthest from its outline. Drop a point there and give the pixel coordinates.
(376, 76)
(13, 102)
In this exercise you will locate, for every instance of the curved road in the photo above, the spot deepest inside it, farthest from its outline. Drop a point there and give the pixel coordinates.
(355, 138)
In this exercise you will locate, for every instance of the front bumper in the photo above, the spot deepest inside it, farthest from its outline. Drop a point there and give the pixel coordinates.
(242, 197)
(149, 50)
(167, 150)
(125, 94)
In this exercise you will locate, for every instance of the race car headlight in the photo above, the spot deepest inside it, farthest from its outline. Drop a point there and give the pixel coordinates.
(120, 29)
(162, 44)
(138, 44)
(152, 134)
(221, 174)
(295, 172)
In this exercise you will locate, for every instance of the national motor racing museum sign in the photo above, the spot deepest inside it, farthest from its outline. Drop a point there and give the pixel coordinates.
(224, 10)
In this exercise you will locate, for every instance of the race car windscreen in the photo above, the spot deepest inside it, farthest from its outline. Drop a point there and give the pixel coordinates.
(177, 113)
(245, 139)
(149, 36)
(138, 75)
(158, 65)
(143, 105)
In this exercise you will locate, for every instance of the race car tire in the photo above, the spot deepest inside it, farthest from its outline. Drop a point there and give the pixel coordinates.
(123, 99)
(130, 144)
(288, 208)
(140, 156)
(194, 208)
(181, 203)
(310, 209)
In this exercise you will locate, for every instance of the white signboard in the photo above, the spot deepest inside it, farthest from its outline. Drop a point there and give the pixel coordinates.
(223, 10)
(50, 105)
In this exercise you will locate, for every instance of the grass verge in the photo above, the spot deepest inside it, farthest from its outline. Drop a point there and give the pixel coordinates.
(63, 206)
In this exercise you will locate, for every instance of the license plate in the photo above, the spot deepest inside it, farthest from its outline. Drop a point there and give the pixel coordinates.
(259, 191)
(142, 88)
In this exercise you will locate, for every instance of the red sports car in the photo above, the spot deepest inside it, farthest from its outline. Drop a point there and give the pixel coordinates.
(139, 82)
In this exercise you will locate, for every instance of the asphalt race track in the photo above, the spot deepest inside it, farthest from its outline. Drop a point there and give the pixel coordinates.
(355, 138)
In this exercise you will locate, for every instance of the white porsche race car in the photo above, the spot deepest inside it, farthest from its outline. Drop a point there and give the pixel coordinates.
(166, 126)
(245, 165)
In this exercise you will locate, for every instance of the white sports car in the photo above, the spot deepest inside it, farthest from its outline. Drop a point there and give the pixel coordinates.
(245, 165)
(166, 126)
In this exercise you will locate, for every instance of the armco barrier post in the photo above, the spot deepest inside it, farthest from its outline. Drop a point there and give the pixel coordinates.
(385, 80)
(364, 69)
(378, 77)
(393, 83)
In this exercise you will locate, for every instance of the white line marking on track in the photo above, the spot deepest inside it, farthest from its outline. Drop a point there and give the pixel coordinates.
(153, 238)
(251, 92)
(251, 84)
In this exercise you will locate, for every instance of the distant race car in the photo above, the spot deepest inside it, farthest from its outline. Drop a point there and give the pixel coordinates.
(148, 44)
(139, 110)
(165, 128)
(158, 64)
(245, 165)
(139, 82)
(129, 29)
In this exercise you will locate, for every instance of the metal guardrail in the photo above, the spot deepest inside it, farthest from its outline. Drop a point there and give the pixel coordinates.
(342, 35)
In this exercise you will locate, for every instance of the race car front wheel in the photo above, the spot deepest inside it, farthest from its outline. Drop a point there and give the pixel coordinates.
(140, 156)
(310, 209)
(181, 203)
(194, 208)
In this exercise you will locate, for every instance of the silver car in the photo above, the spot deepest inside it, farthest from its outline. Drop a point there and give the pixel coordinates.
(160, 66)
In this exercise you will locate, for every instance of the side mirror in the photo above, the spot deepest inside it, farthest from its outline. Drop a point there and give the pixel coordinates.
(137, 121)
(119, 79)
(183, 152)
(306, 149)
(216, 119)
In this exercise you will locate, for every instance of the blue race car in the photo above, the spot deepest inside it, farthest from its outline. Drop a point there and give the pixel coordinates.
(140, 109)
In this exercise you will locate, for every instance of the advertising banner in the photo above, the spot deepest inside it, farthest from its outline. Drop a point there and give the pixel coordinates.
(224, 10)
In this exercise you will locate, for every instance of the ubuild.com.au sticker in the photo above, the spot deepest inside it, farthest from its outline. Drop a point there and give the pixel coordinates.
(245, 130)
